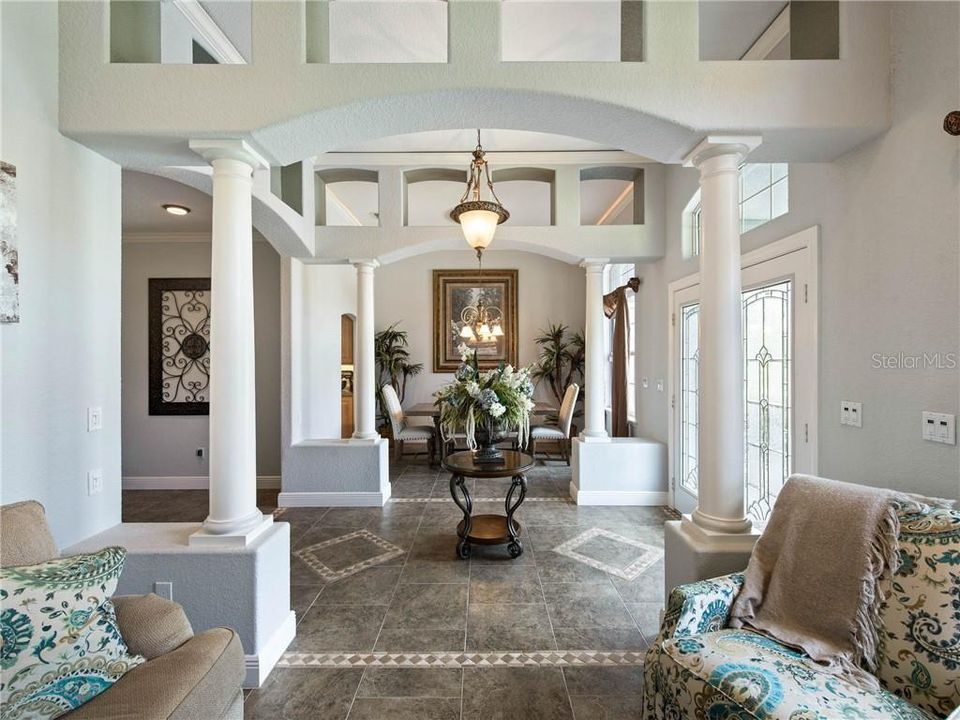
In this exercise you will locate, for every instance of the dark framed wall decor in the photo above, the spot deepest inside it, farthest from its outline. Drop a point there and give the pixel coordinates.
(453, 290)
(179, 354)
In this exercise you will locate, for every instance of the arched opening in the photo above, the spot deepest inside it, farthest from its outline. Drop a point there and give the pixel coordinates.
(347, 342)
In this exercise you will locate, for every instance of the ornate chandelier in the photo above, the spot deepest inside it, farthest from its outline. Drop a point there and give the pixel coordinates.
(482, 324)
(479, 218)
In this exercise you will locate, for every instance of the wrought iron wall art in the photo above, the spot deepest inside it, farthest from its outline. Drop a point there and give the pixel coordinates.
(179, 312)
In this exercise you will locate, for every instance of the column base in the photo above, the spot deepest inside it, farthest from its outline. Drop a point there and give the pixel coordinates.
(365, 437)
(593, 436)
(695, 553)
(720, 525)
(233, 534)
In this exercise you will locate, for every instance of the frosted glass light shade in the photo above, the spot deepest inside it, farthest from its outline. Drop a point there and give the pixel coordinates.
(479, 227)
(466, 332)
(479, 219)
(497, 330)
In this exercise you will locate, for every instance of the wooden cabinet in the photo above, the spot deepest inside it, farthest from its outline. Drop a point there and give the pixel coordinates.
(346, 340)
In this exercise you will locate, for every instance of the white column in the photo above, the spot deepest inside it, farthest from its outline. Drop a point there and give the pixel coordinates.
(721, 500)
(364, 377)
(234, 516)
(594, 427)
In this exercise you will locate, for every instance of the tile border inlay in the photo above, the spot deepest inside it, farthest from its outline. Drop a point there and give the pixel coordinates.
(329, 574)
(649, 556)
(476, 499)
(546, 658)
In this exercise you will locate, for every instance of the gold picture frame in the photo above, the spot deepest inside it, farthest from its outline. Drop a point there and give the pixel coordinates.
(452, 291)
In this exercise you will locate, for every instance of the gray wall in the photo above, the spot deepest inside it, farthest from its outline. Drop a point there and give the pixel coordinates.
(165, 445)
(64, 355)
(890, 230)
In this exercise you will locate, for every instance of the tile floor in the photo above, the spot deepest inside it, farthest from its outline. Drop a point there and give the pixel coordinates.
(392, 625)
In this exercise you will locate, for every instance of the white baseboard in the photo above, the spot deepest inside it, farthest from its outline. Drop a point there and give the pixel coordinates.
(332, 499)
(188, 482)
(617, 497)
(258, 666)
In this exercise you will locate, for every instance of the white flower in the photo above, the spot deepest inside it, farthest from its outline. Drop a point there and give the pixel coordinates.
(528, 404)
(496, 410)
(464, 352)
(472, 388)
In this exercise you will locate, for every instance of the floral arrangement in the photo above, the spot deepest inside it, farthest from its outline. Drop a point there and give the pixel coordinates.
(490, 401)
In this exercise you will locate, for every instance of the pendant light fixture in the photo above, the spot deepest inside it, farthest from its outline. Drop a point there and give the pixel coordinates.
(479, 218)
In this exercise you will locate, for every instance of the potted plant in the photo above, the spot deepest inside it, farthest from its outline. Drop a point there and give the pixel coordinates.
(561, 359)
(390, 349)
(485, 406)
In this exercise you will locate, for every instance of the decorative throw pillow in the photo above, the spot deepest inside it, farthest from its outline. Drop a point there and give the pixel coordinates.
(61, 645)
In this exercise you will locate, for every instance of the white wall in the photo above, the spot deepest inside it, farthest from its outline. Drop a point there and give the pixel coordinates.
(889, 219)
(319, 295)
(165, 445)
(64, 355)
(548, 291)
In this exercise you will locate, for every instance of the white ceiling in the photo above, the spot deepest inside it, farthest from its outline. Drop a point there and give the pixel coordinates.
(143, 196)
(729, 29)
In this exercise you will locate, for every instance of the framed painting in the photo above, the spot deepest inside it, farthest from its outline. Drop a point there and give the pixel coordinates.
(179, 332)
(9, 265)
(454, 291)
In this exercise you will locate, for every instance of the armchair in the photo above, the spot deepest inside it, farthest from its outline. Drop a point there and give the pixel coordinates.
(699, 667)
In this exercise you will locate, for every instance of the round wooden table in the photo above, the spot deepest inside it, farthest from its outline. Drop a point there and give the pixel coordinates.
(488, 529)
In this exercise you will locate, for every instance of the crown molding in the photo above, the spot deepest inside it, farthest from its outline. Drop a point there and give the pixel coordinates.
(770, 38)
(215, 40)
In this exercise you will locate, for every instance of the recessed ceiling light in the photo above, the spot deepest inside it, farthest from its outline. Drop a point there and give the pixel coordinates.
(176, 209)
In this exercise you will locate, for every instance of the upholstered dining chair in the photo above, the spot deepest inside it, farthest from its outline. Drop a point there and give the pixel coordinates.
(559, 433)
(401, 431)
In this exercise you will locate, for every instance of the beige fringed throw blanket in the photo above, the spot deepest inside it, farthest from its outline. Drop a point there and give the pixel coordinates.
(813, 580)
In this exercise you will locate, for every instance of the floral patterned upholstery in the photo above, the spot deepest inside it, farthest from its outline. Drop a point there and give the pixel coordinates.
(920, 638)
(699, 668)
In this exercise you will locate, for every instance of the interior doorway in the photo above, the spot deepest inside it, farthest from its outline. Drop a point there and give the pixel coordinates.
(346, 375)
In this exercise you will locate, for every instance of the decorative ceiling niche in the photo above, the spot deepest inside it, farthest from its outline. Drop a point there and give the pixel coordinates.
(523, 166)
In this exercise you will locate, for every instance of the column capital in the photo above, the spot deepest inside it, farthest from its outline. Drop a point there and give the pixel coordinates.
(359, 263)
(715, 145)
(594, 264)
(212, 149)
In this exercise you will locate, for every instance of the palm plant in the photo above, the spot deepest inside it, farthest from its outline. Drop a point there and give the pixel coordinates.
(390, 349)
(561, 358)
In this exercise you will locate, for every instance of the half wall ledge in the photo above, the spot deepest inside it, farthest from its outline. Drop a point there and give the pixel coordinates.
(335, 473)
(619, 471)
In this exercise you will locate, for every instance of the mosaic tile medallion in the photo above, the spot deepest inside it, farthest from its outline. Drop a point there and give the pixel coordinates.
(348, 554)
(610, 552)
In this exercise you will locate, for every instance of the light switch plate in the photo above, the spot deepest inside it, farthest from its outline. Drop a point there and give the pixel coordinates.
(94, 419)
(939, 427)
(851, 413)
(94, 481)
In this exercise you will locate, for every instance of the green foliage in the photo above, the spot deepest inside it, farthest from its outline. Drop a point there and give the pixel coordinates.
(561, 359)
(496, 398)
(390, 350)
